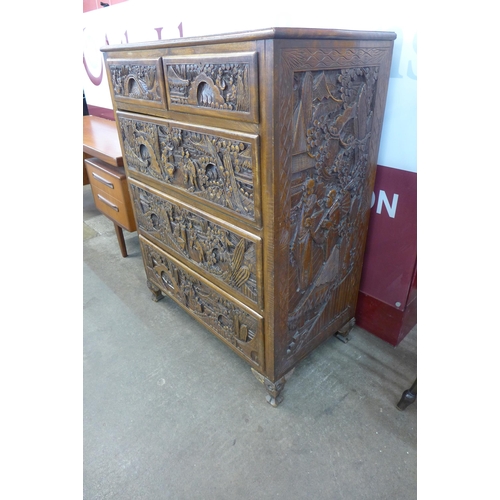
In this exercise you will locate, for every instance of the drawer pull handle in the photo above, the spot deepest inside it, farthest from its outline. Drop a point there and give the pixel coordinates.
(103, 180)
(104, 200)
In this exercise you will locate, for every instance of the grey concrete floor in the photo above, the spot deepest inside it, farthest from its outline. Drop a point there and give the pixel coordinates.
(169, 412)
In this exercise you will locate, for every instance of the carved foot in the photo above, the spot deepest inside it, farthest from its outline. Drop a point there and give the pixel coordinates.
(408, 397)
(343, 333)
(274, 398)
(157, 295)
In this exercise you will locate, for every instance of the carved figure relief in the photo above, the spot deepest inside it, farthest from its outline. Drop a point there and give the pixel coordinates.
(224, 254)
(210, 85)
(239, 328)
(332, 118)
(213, 168)
(136, 81)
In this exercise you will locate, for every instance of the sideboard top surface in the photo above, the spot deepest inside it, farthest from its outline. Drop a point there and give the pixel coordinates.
(261, 34)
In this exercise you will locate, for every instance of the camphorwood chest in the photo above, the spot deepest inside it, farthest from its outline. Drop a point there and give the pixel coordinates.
(251, 160)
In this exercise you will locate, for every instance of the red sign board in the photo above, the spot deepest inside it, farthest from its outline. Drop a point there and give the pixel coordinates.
(389, 269)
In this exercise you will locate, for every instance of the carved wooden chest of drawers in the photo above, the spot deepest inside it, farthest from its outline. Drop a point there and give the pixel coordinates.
(251, 160)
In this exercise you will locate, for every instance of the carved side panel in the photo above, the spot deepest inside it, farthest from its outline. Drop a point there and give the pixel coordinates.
(224, 254)
(138, 81)
(328, 129)
(220, 170)
(233, 324)
(219, 85)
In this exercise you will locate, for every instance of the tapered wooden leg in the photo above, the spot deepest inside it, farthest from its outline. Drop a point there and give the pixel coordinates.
(157, 295)
(408, 397)
(274, 398)
(121, 240)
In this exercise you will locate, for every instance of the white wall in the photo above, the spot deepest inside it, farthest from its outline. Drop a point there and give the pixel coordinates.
(139, 18)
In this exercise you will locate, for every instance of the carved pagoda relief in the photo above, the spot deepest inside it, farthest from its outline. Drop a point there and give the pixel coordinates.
(139, 80)
(240, 329)
(222, 83)
(332, 123)
(224, 254)
(220, 170)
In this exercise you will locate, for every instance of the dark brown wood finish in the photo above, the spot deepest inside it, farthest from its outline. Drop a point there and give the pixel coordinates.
(251, 159)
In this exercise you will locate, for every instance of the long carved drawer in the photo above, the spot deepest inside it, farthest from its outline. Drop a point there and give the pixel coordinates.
(137, 82)
(218, 168)
(225, 254)
(235, 324)
(214, 85)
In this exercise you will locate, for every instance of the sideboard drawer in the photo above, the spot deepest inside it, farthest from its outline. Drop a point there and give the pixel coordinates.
(223, 85)
(107, 178)
(110, 190)
(112, 207)
(237, 325)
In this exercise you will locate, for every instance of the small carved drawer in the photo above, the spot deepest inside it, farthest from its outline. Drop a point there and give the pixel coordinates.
(218, 168)
(138, 82)
(234, 323)
(214, 85)
(225, 254)
(110, 190)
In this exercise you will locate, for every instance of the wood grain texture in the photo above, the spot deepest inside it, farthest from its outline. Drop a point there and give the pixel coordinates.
(271, 137)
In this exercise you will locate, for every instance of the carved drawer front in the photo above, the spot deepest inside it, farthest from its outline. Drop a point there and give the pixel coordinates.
(235, 324)
(137, 81)
(217, 167)
(214, 85)
(227, 255)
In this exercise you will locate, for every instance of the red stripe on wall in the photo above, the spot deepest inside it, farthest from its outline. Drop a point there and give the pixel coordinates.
(89, 5)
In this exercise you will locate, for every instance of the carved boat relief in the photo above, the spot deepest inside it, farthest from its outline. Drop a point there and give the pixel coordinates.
(224, 254)
(219, 170)
(232, 323)
(332, 118)
(226, 84)
(138, 81)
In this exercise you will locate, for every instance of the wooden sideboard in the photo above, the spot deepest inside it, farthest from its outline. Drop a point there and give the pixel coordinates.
(103, 169)
(251, 160)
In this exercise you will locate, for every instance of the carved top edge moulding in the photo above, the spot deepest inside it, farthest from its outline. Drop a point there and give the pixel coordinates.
(261, 34)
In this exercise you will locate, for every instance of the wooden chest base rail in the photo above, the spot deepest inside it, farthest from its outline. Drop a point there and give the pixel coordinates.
(251, 160)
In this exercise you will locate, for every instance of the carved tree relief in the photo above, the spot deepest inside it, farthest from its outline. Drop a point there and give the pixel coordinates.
(332, 123)
(240, 329)
(216, 169)
(222, 253)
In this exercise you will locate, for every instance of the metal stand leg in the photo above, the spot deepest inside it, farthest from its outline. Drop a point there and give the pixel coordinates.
(408, 397)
